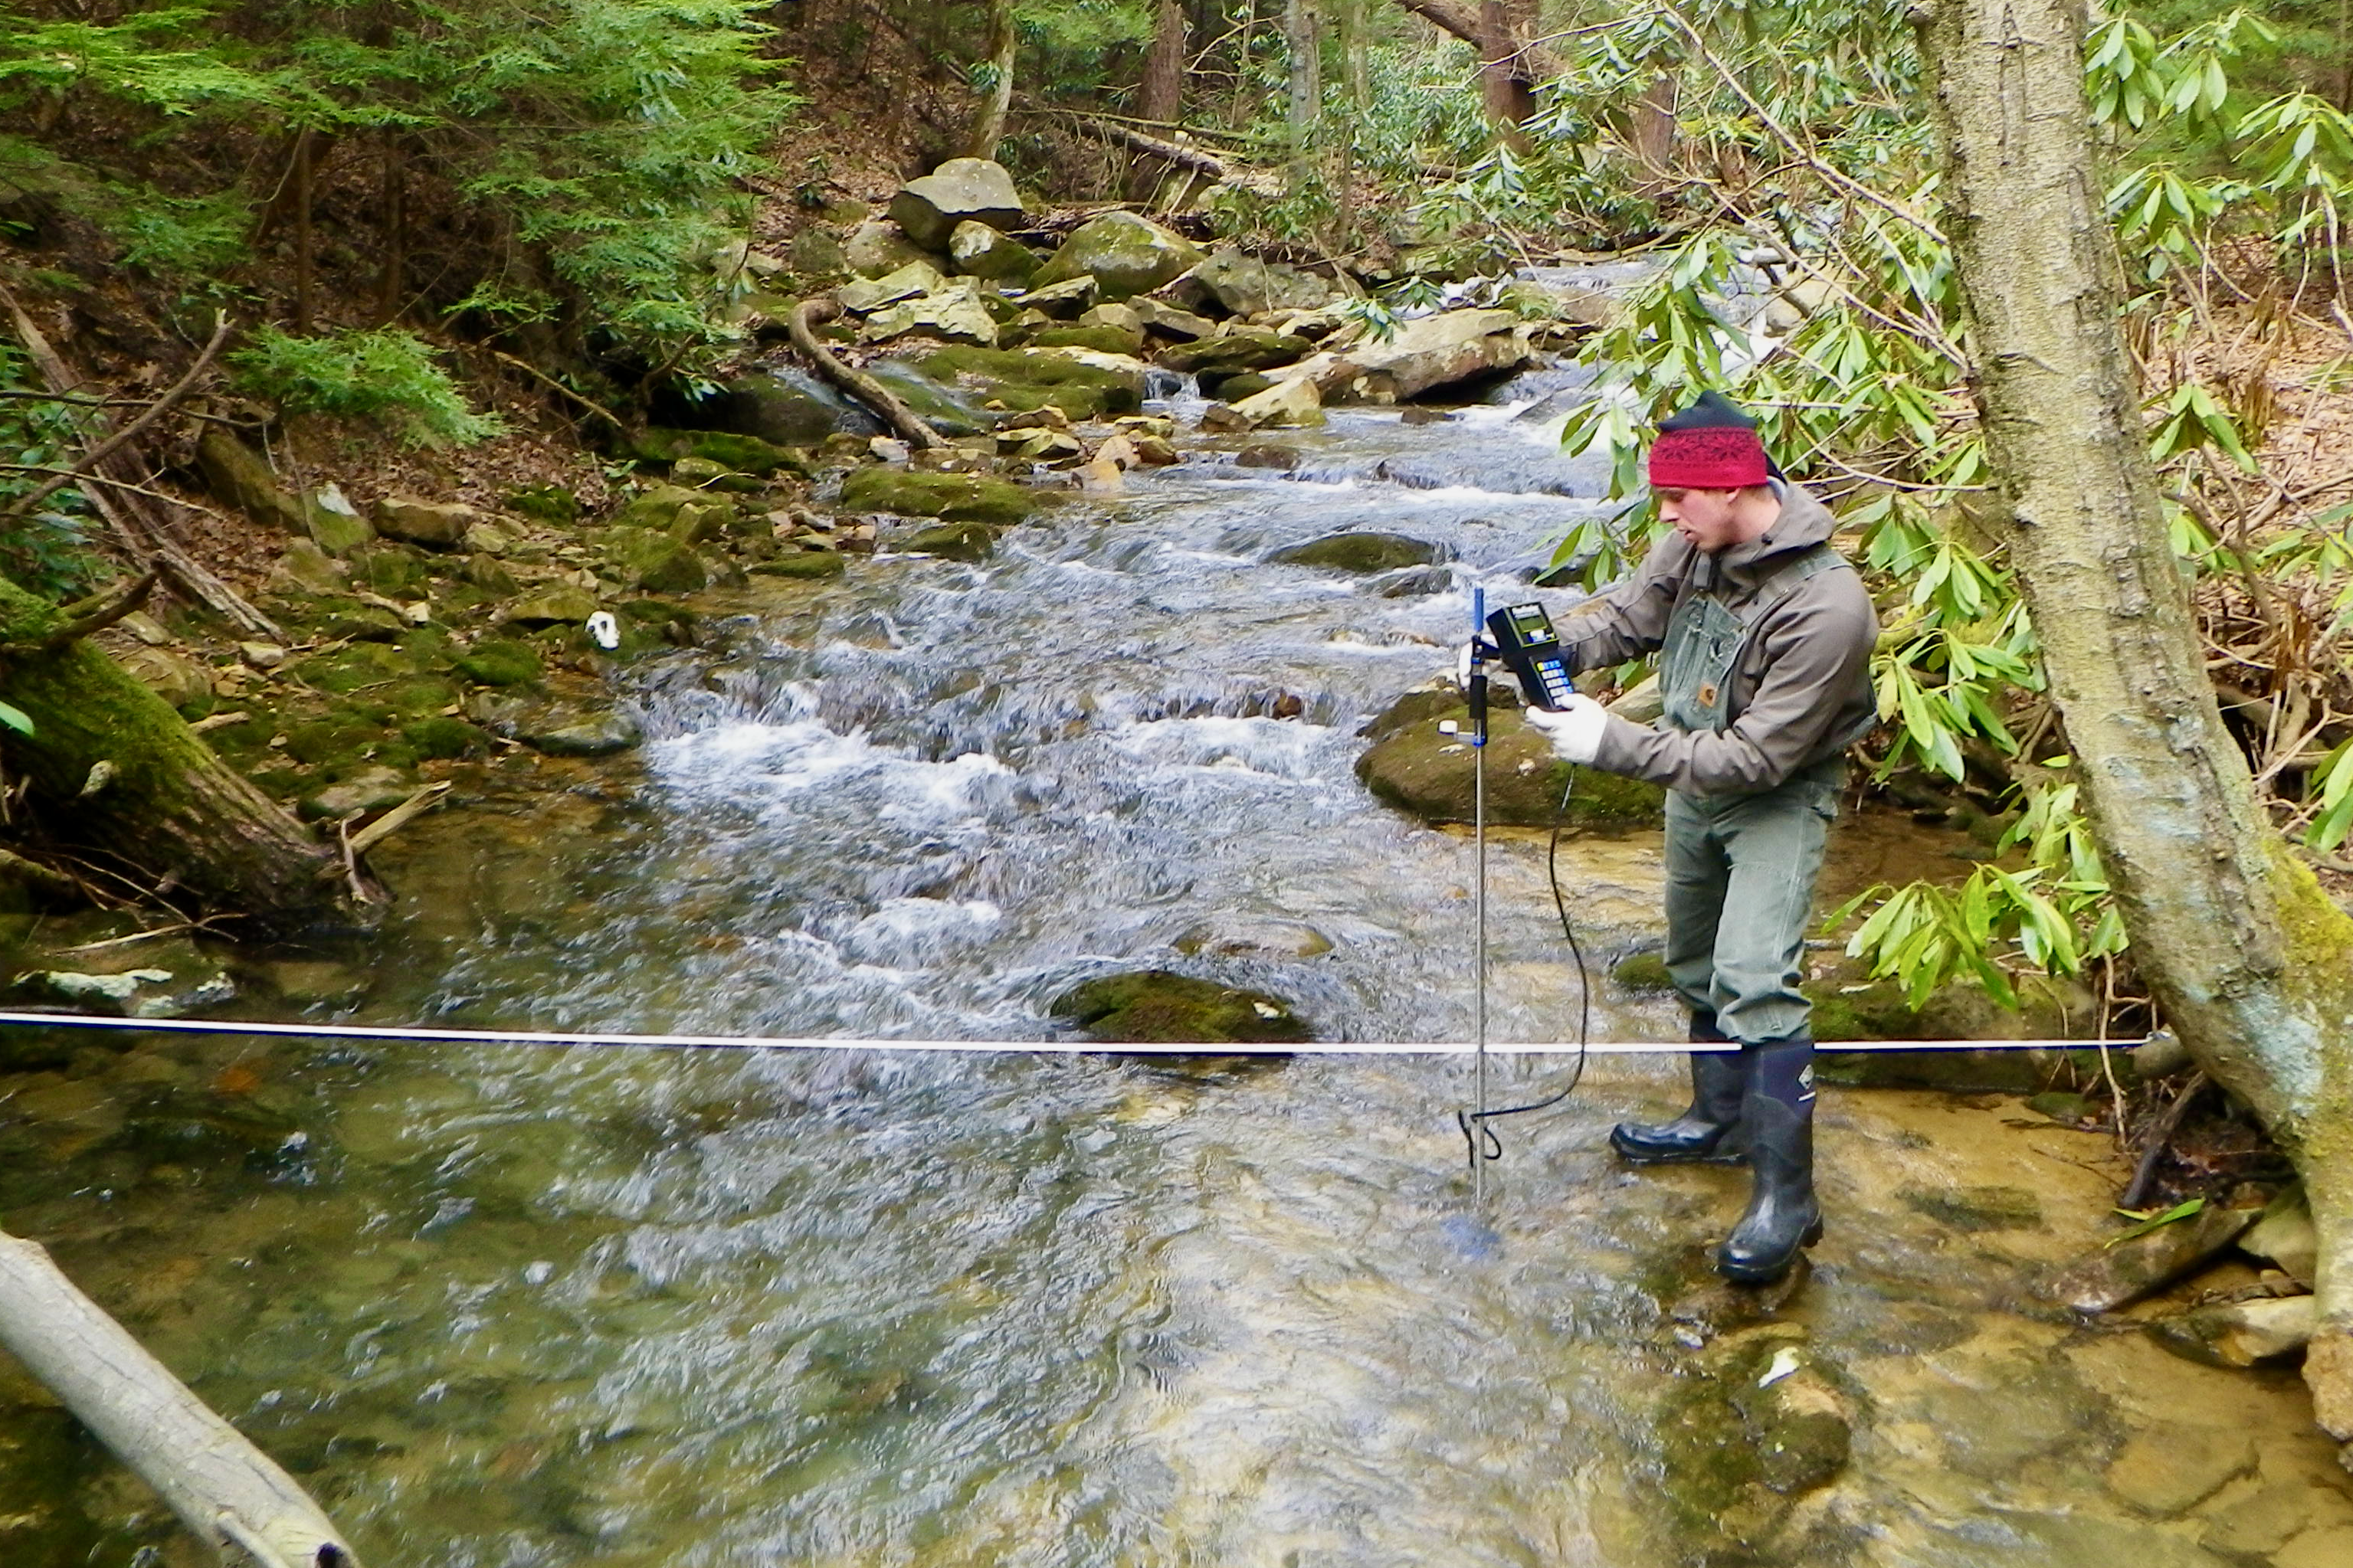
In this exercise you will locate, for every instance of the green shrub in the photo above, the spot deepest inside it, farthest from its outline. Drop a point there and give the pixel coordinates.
(386, 374)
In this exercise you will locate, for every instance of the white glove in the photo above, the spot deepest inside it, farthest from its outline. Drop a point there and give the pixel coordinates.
(1575, 730)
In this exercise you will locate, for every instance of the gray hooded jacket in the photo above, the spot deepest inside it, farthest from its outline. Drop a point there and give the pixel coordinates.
(1801, 689)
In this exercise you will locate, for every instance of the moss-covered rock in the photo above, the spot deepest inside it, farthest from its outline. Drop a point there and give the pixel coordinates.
(946, 407)
(1754, 1424)
(396, 571)
(678, 569)
(1157, 1006)
(805, 564)
(1414, 767)
(1235, 350)
(438, 736)
(1360, 551)
(551, 504)
(1848, 1007)
(557, 726)
(1126, 255)
(738, 454)
(1022, 379)
(957, 497)
(500, 662)
(954, 541)
(1103, 340)
(1643, 972)
(350, 668)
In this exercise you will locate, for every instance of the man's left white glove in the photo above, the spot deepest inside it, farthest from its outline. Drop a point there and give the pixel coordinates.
(1574, 730)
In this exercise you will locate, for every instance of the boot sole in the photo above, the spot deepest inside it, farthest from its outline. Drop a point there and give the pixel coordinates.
(1739, 1276)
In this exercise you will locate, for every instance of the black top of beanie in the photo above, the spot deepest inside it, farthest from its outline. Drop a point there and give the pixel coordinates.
(1713, 411)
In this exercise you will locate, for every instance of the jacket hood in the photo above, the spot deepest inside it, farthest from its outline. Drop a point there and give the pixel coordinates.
(1804, 522)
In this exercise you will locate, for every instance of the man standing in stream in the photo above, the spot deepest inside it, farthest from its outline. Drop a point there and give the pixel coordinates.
(1764, 634)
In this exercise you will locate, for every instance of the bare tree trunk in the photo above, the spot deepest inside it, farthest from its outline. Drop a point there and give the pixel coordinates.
(1303, 34)
(997, 56)
(390, 282)
(1653, 130)
(1504, 77)
(2252, 962)
(303, 172)
(229, 1494)
(801, 327)
(1162, 95)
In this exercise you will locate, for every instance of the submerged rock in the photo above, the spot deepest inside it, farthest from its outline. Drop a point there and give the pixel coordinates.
(1157, 1006)
(2170, 1470)
(1124, 254)
(2240, 1333)
(1248, 936)
(1760, 1420)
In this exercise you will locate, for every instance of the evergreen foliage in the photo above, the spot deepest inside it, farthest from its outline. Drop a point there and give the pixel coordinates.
(386, 375)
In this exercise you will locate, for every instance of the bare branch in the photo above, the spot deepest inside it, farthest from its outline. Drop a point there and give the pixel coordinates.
(123, 437)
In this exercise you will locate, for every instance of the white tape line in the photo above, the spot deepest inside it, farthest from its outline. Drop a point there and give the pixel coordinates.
(1001, 1048)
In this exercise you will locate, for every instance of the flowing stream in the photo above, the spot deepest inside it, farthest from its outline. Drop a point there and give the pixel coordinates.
(510, 1307)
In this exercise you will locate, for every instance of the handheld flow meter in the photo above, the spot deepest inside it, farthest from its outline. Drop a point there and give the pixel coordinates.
(1526, 644)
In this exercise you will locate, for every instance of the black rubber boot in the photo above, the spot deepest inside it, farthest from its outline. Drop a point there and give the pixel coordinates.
(1710, 1130)
(1778, 1114)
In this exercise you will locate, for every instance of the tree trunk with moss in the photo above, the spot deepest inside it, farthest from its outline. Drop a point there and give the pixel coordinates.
(115, 771)
(2252, 962)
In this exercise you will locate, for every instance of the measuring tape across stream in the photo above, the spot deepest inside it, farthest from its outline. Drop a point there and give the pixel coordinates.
(560, 1038)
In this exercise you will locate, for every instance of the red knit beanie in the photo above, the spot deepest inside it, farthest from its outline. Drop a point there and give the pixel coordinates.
(1711, 446)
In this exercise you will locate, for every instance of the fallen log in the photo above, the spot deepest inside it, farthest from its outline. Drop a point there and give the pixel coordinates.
(113, 768)
(811, 314)
(230, 1495)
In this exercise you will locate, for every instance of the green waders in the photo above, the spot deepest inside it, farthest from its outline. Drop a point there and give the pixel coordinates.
(1741, 870)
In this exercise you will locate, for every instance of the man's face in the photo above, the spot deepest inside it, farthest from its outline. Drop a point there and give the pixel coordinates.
(1703, 517)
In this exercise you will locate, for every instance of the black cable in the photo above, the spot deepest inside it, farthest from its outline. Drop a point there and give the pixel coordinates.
(1478, 1137)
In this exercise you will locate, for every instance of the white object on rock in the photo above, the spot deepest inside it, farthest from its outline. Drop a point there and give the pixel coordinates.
(604, 630)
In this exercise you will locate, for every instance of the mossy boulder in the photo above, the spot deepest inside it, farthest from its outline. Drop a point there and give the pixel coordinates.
(958, 498)
(1848, 1007)
(1414, 767)
(350, 668)
(1029, 378)
(1757, 1421)
(878, 247)
(954, 541)
(395, 571)
(1157, 1006)
(805, 564)
(438, 736)
(737, 454)
(551, 504)
(980, 250)
(677, 568)
(1234, 351)
(500, 662)
(1642, 972)
(1107, 340)
(788, 407)
(557, 726)
(1126, 255)
(1364, 552)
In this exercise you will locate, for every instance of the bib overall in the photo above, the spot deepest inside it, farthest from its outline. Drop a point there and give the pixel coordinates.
(1740, 868)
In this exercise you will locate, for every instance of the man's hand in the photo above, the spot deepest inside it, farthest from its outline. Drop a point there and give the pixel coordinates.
(1462, 666)
(1574, 730)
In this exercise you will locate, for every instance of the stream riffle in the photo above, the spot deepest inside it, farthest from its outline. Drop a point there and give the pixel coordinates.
(524, 1307)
